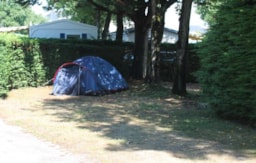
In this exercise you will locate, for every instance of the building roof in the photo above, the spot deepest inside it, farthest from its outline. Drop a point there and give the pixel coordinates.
(13, 29)
(64, 21)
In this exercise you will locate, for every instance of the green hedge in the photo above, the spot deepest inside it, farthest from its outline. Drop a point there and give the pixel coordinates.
(32, 62)
(20, 63)
(55, 52)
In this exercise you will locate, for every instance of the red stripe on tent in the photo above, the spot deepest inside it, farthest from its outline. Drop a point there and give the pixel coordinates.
(63, 65)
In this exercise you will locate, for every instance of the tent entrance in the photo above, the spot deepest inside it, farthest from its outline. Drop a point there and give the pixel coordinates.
(68, 80)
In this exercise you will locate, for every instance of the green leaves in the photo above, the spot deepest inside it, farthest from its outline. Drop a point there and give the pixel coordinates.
(228, 62)
(12, 14)
(20, 63)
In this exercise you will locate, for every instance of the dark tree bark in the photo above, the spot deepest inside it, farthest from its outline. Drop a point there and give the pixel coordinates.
(140, 52)
(159, 8)
(142, 23)
(154, 51)
(179, 85)
(98, 24)
(105, 31)
(120, 27)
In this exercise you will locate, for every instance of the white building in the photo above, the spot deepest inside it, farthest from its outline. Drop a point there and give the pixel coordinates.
(63, 29)
(169, 35)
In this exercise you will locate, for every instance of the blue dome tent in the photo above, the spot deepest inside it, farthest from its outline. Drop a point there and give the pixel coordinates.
(88, 75)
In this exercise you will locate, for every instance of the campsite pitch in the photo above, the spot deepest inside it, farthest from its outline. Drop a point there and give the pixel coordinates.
(143, 124)
(17, 146)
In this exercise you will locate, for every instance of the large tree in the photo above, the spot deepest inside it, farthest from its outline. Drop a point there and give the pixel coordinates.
(179, 84)
(13, 14)
(141, 15)
(140, 12)
(158, 8)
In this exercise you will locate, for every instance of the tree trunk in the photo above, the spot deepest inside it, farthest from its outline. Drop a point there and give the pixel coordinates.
(160, 29)
(120, 27)
(179, 85)
(105, 32)
(157, 29)
(142, 21)
(140, 52)
(98, 23)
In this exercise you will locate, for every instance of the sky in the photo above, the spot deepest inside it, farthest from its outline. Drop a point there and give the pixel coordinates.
(197, 25)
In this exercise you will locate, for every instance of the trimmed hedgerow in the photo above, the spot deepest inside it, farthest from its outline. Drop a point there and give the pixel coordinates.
(20, 63)
(56, 52)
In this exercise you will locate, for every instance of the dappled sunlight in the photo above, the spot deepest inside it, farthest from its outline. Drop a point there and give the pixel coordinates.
(173, 101)
(137, 123)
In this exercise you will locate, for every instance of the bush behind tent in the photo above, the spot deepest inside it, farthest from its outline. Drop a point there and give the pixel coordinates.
(32, 62)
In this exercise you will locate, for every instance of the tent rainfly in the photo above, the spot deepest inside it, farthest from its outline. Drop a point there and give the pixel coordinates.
(88, 75)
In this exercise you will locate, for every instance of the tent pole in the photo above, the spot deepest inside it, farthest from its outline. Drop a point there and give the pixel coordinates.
(79, 75)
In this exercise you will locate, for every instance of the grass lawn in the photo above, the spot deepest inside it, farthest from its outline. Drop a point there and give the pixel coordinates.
(143, 124)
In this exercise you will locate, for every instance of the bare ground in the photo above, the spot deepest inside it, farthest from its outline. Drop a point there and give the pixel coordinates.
(124, 127)
(17, 146)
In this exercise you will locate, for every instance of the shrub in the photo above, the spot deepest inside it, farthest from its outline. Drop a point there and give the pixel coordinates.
(20, 63)
(228, 65)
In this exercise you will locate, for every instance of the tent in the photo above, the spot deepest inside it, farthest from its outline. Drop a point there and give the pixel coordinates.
(88, 75)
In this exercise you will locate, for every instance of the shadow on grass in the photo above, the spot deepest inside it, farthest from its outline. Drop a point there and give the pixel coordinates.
(152, 119)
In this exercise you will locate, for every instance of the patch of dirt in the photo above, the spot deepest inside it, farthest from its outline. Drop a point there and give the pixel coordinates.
(138, 125)
(17, 146)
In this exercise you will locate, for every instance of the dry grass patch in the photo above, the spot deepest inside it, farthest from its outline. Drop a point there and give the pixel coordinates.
(143, 124)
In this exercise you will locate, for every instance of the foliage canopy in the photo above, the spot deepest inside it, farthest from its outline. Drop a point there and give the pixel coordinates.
(13, 14)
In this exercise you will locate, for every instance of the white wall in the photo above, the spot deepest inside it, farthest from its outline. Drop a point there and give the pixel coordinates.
(68, 27)
(169, 36)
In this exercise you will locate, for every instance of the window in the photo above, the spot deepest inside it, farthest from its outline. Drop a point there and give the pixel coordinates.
(73, 37)
(84, 36)
(62, 35)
